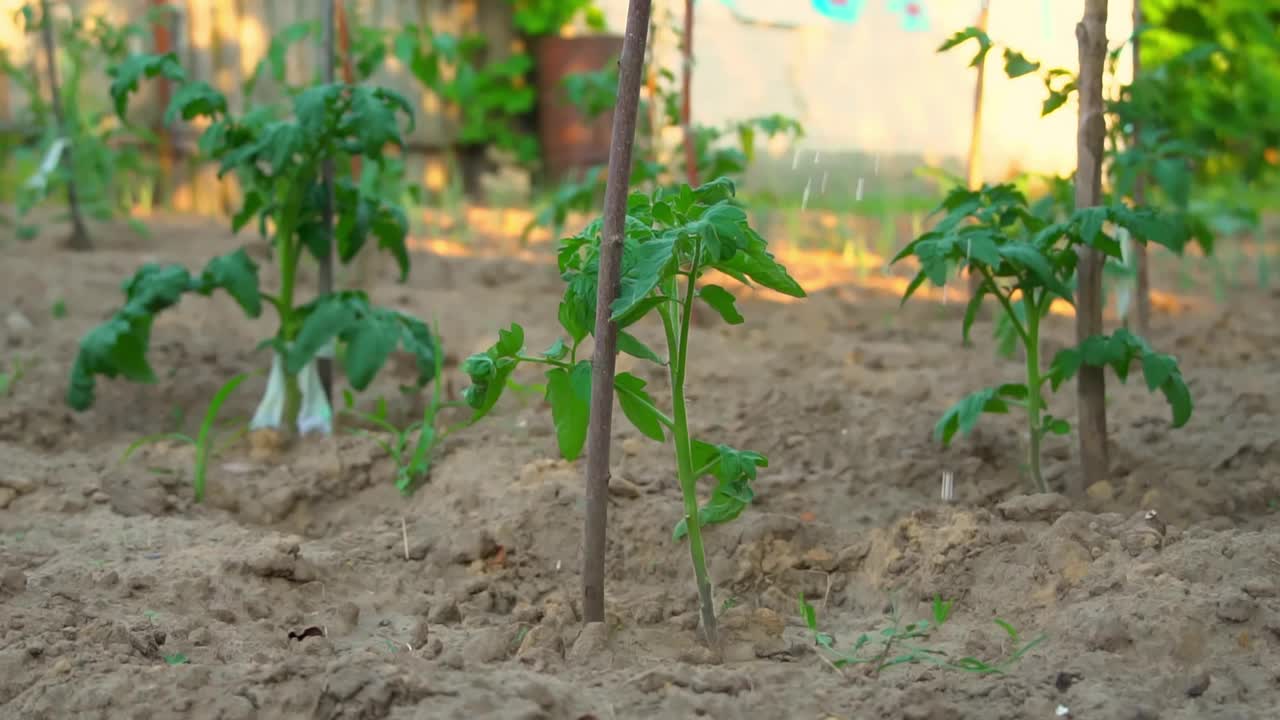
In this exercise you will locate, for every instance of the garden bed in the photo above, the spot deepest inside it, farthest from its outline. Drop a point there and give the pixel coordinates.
(121, 598)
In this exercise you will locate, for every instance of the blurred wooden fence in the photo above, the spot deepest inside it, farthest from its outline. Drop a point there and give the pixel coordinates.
(222, 41)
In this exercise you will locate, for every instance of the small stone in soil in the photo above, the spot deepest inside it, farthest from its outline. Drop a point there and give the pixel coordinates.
(1198, 684)
(446, 613)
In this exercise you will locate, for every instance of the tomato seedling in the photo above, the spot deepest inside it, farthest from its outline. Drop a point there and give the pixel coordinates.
(278, 162)
(672, 238)
(1026, 262)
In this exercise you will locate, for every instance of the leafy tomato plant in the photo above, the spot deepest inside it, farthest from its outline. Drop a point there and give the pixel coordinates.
(277, 160)
(1026, 262)
(673, 238)
(109, 167)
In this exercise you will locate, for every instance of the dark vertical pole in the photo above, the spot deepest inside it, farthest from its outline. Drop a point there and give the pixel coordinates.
(973, 164)
(604, 357)
(162, 38)
(324, 365)
(1140, 310)
(1091, 34)
(79, 239)
(686, 105)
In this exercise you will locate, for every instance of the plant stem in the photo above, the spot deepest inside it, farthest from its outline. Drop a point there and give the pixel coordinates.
(324, 365)
(288, 252)
(79, 239)
(684, 452)
(1033, 393)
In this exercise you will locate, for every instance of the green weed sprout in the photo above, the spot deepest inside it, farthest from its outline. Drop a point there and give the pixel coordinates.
(672, 238)
(411, 467)
(895, 645)
(203, 441)
(1026, 262)
(278, 162)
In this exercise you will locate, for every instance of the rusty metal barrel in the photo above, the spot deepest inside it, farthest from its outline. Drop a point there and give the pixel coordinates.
(570, 142)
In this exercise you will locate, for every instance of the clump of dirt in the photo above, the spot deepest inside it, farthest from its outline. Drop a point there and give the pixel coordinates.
(306, 586)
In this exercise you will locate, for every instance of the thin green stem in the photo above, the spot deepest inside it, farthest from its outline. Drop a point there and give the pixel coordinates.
(1033, 393)
(677, 330)
(1004, 301)
(545, 361)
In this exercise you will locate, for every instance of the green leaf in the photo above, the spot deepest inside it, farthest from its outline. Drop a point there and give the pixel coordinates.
(969, 33)
(632, 346)
(1174, 177)
(971, 312)
(510, 341)
(1057, 426)
(369, 333)
(1091, 220)
(557, 351)
(570, 407)
(194, 100)
(723, 302)
(118, 347)
(238, 275)
(1016, 64)
(644, 266)
(1029, 257)
(757, 263)
(126, 76)
(638, 405)
(963, 416)
(735, 471)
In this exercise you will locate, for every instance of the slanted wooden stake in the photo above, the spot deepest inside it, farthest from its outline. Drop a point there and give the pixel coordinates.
(1091, 35)
(162, 37)
(686, 97)
(79, 239)
(1140, 310)
(605, 355)
(973, 164)
(324, 365)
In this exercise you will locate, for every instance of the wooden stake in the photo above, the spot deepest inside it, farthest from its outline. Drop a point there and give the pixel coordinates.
(324, 365)
(686, 97)
(1091, 35)
(1140, 310)
(79, 239)
(605, 355)
(162, 37)
(973, 164)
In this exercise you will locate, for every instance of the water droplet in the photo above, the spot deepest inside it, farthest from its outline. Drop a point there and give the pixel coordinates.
(804, 199)
(858, 193)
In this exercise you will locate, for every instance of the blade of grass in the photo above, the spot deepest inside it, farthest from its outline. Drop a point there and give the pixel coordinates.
(205, 438)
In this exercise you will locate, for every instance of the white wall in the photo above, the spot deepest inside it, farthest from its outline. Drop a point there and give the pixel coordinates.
(872, 86)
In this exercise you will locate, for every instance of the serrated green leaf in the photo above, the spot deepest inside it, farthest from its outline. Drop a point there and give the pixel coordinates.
(1091, 219)
(1016, 64)
(632, 346)
(237, 274)
(643, 268)
(638, 405)
(126, 76)
(558, 351)
(963, 416)
(510, 341)
(1029, 257)
(723, 302)
(735, 472)
(969, 33)
(195, 99)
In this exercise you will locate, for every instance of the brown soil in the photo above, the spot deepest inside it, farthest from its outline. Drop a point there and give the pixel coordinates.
(108, 571)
